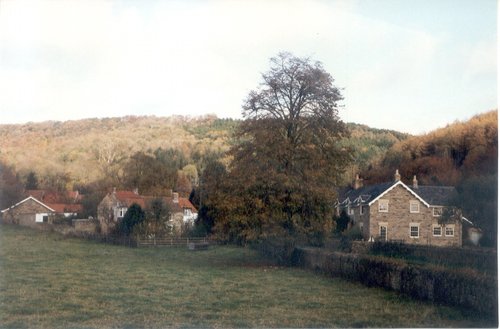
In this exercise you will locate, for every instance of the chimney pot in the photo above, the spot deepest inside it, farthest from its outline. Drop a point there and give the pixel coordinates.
(415, 181)
(358, 182)
(397, 176)
(136, 191)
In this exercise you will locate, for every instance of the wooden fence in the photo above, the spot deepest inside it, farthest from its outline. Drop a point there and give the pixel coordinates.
(170, 242)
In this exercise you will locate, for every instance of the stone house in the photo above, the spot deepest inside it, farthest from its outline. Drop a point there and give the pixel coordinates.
(394, 211)
(115, 204)
(32, 212)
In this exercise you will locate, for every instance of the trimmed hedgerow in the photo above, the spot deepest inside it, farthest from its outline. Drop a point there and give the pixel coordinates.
(465, 288)
(484, 260)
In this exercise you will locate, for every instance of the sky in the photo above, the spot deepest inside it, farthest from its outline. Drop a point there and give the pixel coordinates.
(411, 66)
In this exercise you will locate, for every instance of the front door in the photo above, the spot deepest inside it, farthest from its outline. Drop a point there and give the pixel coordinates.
(383, 232)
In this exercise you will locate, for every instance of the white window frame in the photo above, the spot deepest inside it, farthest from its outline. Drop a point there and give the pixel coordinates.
(350, 211)
(440, 230)
(383, 205)
(122, 211)
(412, 225)
(414, 203)
(39, 217)
(437, 214)
(452, 227)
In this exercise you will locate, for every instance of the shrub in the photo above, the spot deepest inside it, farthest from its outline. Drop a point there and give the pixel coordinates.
(354, 233)
(279, 249)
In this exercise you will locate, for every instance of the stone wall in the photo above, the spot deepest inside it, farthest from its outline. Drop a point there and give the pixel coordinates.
(25, 213)
(84, 225)
(399, 217)
(105, 214)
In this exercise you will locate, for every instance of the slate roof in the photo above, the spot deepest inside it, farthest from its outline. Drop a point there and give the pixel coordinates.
(433, 195)
(362, 195)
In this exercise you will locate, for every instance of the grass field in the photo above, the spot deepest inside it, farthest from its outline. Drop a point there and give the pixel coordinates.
(48, 281)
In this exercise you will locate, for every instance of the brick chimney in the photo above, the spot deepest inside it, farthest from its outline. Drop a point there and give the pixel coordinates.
(175, 197)
(415, 182)
(397, 176)
(358, 182)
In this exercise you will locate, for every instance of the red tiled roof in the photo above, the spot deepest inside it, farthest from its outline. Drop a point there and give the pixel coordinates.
(129, 198)
(65, 208)
(49, 196)
(185, 203)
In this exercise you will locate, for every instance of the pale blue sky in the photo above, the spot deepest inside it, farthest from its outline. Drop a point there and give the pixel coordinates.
(411, 66)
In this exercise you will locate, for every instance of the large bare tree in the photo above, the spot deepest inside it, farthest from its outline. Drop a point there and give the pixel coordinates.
(288, 161)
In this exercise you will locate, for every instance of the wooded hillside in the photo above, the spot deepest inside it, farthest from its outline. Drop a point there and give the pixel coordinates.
(463, 154)
(444, 156)
(96, 154)
(83, 151)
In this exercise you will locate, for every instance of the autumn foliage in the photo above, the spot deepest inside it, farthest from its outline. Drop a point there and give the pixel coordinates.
(445, 156)
(464, 155)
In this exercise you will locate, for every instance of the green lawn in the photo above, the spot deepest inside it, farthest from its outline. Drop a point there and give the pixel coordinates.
(48, 281)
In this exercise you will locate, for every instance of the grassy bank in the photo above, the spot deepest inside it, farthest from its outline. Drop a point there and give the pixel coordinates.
(48, 281)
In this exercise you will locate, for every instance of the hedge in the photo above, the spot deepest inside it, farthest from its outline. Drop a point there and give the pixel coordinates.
(464, 288)
(481, 259)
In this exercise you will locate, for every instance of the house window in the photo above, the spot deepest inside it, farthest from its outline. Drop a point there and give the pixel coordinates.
(383, 205)
(383, 232)
(436, 230)
(414, 207)
(350, 211)
(361, 210)
(449, 230)
(187, 212)
(41, 218)
(121, 212)
(414, 231)
(437, 211)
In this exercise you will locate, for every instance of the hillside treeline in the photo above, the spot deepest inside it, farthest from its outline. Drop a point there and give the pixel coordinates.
(463, 154)
(84, 151)
(157, 155)
(72, 154)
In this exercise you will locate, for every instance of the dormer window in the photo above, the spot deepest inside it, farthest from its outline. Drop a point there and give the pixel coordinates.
(437, 211)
